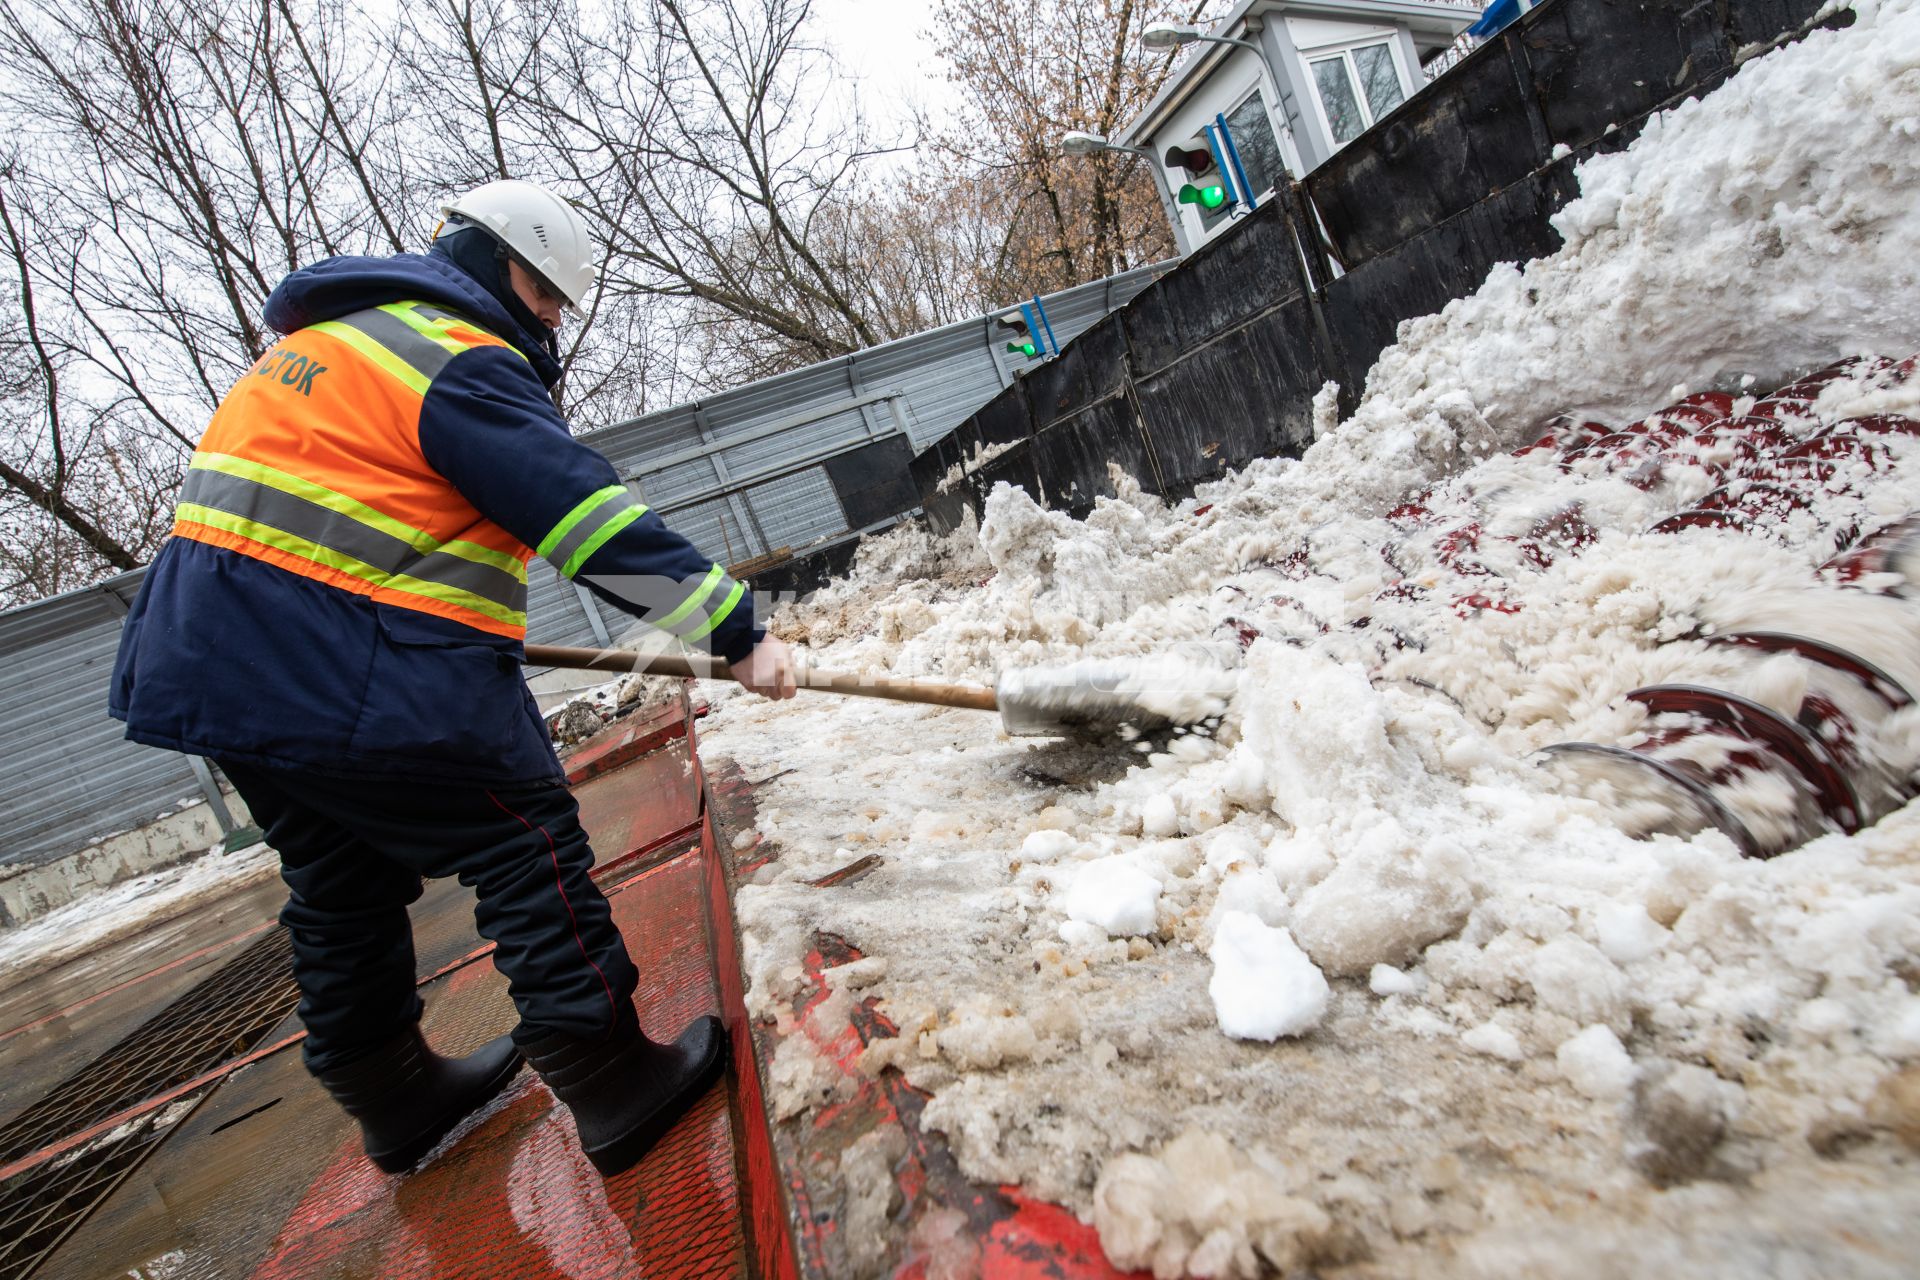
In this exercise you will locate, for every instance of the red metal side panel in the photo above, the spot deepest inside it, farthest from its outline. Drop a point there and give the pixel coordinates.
(769, 1237)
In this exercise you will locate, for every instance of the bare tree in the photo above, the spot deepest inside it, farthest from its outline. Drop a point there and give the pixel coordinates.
(1029, 74)
(698, 139)
(71, 472)
(168, 162)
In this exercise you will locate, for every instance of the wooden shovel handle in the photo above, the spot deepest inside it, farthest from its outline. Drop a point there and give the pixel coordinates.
(970, 696)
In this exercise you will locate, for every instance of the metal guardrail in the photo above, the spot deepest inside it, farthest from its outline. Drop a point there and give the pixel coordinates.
(1437, 66)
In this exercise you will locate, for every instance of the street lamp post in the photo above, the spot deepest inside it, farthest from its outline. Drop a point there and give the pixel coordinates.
(1164, 37)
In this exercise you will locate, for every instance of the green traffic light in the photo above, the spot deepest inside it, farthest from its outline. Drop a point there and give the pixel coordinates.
(1211, 196)
(1027, 349)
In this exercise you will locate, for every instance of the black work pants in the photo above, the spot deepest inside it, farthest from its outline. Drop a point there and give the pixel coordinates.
(353, 852)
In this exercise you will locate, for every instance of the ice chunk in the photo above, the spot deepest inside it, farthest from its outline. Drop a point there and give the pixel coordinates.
(1045, 846)
(1571, 977)
(1901, 1036)
(1596, 1064)
(1383, 903)
(982, 1038)
(1115, 895)
(1203, 1208)
(1627, 933)
(1263, 986)
(1228, 845)
(1158, 816)
(1385, 980)
(1493, 1040)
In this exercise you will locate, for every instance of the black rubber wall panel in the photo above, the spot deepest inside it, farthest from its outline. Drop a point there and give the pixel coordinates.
(1445, 150)
(1605, 62)
(1092, 368)
(1217, 362)
(1366, 307)
(1075, 458)
(1223, 285)
(874, 481)
(1248, 394)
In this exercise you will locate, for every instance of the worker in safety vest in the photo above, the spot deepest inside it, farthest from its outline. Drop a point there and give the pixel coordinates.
(338, 621)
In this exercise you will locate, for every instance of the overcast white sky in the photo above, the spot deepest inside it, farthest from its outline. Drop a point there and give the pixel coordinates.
(881, 44)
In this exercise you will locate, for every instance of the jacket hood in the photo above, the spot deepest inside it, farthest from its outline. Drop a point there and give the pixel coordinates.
(336, 287)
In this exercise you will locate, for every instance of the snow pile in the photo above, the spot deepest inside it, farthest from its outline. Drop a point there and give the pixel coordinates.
(133, 906)
(1101, 963)
(1077, 943)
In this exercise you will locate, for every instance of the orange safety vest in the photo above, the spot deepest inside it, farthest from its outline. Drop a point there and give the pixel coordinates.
(313, 463)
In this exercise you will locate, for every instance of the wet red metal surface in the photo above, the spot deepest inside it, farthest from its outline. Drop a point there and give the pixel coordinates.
(515, 1197)
(512, 1196)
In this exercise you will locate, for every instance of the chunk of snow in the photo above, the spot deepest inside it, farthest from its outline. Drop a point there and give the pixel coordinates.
(1045, 846)
(1627, 933)
(1571, 977)
(1493, 1040)
(1595, 1063)
(1158, 817)
(1901, 1037)
(1116, 896)
(1263, 985)
(1385, 980)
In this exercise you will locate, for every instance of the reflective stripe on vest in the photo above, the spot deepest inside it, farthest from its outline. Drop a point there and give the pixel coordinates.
(408, 340)
(594, 520)
(315, 523)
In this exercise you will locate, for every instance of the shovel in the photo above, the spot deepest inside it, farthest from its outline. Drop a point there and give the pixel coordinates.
(1080, 701)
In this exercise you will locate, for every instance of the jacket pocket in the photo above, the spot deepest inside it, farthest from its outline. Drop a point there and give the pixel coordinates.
(441, 693)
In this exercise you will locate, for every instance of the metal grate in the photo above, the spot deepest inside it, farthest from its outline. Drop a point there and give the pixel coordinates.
(218, 1020)
(214, 1023)
(40, 1207)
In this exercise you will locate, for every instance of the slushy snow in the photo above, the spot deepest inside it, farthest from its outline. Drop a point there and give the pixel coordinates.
(1543, 1040)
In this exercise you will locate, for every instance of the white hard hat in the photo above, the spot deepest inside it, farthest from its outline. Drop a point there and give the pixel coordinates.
(544, 232)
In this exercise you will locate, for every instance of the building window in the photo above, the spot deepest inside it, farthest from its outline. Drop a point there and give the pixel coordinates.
(1252, 130)
(1357, 87)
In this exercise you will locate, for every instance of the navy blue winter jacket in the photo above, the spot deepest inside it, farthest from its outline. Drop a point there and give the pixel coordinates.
(228, 656)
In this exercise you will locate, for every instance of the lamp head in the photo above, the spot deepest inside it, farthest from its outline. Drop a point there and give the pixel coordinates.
(1161, 37)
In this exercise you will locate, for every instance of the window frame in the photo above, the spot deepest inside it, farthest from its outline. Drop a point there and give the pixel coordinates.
(1344, 54)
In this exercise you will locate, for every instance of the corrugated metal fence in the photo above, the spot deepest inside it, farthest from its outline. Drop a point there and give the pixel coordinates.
(741, 473)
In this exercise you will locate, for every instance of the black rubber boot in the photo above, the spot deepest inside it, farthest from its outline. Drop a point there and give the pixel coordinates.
(625, 1091)
(407, 1097)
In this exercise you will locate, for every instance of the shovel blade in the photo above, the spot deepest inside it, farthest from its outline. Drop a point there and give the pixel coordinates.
(1098, 701)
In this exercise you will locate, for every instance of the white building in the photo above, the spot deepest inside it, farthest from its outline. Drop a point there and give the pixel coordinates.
(1294, 81)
